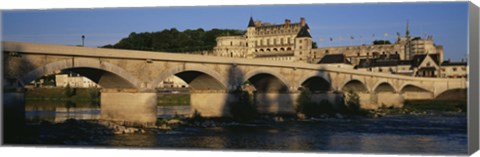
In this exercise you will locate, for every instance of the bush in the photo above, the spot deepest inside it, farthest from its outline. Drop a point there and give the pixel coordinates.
(244, 109)
(69, 91)
(352, 101)
(306, 105)
(94, 93)
(197, 116)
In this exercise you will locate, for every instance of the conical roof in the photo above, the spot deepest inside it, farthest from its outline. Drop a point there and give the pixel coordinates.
(304, 32)
(251, 23)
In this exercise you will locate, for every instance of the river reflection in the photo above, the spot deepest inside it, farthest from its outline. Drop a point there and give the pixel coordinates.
(59, 111)
(441, 133)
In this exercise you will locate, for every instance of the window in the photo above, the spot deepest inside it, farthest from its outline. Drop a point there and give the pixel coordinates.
(274, 41)
(428, 64)
(268, 41)
(443, 69)
(231, 43)
(300, 41)
(454, 69)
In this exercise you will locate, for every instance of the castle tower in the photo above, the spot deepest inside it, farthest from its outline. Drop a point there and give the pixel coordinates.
(408, 52)
(303, 44)
(250, 37)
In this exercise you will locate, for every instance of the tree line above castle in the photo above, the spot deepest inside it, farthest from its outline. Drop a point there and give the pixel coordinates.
(172, 40)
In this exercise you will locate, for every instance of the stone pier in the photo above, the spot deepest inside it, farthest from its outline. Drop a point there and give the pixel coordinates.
(276, 103)
(13, 111)
(212, 103)
(129, 106)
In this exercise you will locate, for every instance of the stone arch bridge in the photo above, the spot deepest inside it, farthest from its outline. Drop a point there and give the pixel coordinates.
(128, 79)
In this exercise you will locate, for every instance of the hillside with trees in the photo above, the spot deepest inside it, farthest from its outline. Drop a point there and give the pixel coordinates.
(172, 40)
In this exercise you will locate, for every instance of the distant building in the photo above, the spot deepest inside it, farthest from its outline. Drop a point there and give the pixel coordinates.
(454, 69)
(77, 81)
(410, 56)
(172, 82)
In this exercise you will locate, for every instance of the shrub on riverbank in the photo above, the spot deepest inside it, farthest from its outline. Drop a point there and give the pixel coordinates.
(244, 109)
(173, 99)
(63, 94)
(349, 106)
(436, 105)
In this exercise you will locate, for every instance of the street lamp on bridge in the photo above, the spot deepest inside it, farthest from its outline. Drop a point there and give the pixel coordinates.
(83, 40)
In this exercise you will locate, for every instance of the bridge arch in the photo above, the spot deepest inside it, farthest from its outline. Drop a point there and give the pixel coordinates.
(453, 94)
(384, 87)
(198, 77)
(107, 75)
(412, 86)
(317, 82)
(411, 91)
(266, 80)
(355, 85)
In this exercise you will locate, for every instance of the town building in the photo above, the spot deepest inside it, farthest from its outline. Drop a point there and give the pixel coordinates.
(454, 69)
(173, 82)
(74, 81)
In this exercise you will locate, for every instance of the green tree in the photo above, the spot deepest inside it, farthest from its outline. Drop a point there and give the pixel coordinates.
(172, 40)
(244, 109)
(306, 105)
(352, 102)
(69, 91)
(314, 45)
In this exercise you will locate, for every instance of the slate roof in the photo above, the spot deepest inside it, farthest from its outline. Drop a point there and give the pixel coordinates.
(251, 23)
(334, 58)
(418, 59)
(448, 63)
(304, 32)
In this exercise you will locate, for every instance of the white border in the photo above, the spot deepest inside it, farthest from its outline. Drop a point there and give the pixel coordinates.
(83, 152)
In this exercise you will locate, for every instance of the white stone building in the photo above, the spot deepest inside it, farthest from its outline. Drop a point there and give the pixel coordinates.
(77, 81)
(286, 42)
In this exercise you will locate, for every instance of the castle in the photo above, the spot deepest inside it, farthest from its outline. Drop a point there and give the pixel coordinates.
(412, 56)
(286, 42)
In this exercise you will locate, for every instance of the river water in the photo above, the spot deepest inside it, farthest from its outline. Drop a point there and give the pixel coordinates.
(440, 133)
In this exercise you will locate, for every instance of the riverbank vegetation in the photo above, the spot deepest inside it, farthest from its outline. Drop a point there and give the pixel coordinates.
(173, 40)
(181, 99)
(63, 94)
(350, 105)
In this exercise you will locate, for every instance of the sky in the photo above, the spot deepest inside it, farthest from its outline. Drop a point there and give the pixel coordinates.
(445, 21)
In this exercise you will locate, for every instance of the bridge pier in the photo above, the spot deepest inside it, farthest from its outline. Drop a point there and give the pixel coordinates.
(212, 103)
(388, 99)
(128, 106)
(276, 103)
(13, 112)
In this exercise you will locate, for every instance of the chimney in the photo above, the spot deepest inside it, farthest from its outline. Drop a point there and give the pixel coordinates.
(287, 22)
(302, 21)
